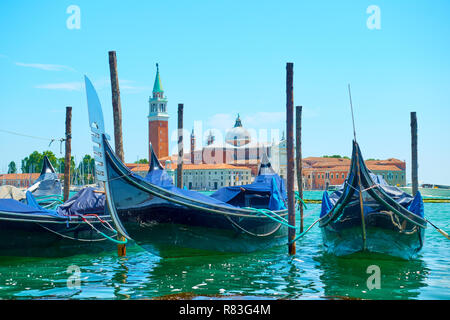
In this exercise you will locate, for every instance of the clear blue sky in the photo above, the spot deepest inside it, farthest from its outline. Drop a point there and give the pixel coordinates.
(224, 57)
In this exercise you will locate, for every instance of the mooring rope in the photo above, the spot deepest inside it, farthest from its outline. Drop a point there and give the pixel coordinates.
(101, 233)
(299, 199)
(252, 233)
(268, 213)
(103, 222)
(54, 199)
(445, 234)
(363, 190)
(68, 237)
(304, 232)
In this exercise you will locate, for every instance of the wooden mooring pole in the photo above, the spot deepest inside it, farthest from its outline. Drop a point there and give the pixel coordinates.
(117, 114)
(290, 153)
(414, 166)
(298, 157)
(68, 151)
(117, 107)
(180, 147)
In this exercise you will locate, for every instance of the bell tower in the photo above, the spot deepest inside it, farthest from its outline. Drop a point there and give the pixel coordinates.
(158, 120)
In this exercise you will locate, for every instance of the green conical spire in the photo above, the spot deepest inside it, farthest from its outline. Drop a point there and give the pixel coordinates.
(238, 122)
(157, 87)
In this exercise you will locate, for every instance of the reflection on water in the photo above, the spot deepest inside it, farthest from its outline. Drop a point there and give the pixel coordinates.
(347, 277)
(271, 274)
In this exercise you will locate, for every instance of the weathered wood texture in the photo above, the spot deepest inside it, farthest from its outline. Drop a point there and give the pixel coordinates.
(117, 108)
(298, 149)
(68, 151)
(414, 164)
(290, 153)
(180, 147)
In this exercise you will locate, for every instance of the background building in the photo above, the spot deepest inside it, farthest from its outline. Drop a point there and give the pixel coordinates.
(319, 173)
(202, 176)
(20, 180)
(158, 119)
(235, 160)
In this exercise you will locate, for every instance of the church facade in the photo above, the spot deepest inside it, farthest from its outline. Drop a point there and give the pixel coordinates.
(237, 150)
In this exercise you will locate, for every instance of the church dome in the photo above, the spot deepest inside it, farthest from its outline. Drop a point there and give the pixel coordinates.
(238, 136)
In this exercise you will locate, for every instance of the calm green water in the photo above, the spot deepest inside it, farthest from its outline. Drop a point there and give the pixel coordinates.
(310, 274)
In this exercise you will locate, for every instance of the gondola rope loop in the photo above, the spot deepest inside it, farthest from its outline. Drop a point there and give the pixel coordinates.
(304, 232)
(271, 215)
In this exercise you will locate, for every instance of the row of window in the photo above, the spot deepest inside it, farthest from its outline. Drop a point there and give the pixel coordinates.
(195, 172)
(389, 176)
(158, 107)
(328, 176)
(211, 186)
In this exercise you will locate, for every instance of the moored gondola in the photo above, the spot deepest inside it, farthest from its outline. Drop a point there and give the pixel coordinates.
(47, 188)
(163, 218)
(389, 221)
(27, 229)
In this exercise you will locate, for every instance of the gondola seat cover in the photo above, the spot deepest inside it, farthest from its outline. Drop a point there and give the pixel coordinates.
(83, 202)
(159, 177)
(413, 204)
(31, 207)
(162, 179)
(272, 184)
(48, 183)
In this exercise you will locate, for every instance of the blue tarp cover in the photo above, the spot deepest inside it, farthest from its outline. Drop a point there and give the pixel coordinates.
(162, 179)
(413, 204)
(83, 202)
(32, 207)
(270, 183)
(159, 177)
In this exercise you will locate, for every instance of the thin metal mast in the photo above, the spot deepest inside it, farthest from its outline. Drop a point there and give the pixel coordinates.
(361, 204)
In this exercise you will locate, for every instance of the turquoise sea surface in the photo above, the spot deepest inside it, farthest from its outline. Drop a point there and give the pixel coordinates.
(271, 274)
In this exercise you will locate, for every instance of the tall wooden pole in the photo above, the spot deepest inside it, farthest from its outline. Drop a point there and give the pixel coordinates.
(117, 108)
(290, 153)
(68, 151)
(180, 147)
(117, 114)
(414, 166)
(298, 149)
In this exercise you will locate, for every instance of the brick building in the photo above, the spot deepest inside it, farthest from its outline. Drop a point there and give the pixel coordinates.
(321, 173)
(19, 180)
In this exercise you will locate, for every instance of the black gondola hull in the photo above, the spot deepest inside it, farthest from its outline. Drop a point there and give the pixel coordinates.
(47, 236)
(386, 233)
(163, 222)
(389, 227)
(164, 229)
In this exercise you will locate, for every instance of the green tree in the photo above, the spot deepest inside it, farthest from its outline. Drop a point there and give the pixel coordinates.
(61, 166)
(141, 161)
(336, 156)
(12, 167)
(32, 163)
(86, 169)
